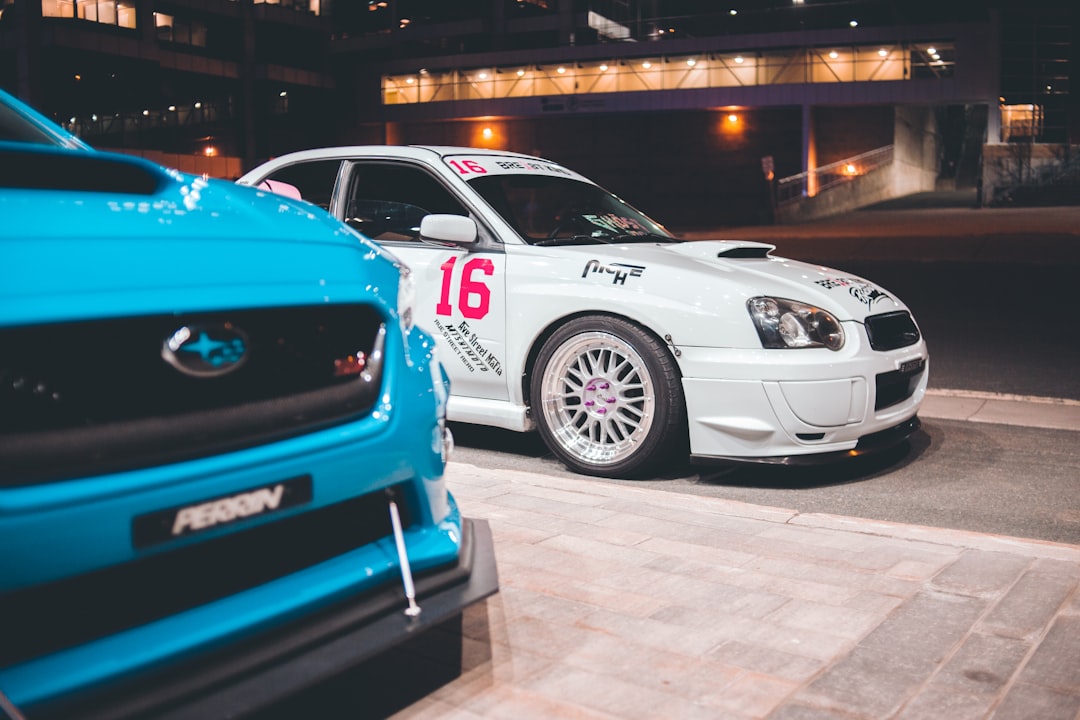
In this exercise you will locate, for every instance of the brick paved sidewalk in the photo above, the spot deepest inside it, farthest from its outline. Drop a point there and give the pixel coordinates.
(624, 602)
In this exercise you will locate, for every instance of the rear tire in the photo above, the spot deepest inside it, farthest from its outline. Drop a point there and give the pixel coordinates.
(607, 397)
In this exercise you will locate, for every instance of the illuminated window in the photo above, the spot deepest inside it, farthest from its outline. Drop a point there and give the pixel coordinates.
(879, 63)
(57, 8)
(932, 60)
(1021, 122)
(312, 6)
(181, 31)
(125, 14)
(108, 12)
(855, 63)
(164, 25)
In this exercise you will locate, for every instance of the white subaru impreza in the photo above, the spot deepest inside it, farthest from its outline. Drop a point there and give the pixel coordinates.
(561, 308)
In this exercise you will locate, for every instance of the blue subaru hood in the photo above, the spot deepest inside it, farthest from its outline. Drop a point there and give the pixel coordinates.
(176, 242)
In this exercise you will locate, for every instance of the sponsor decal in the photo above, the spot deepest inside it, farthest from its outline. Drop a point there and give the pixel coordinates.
(618, 271)
(533, 166)
(164, 525)
(465, 343)
(471, 166)
(862, 291)
(616, 224)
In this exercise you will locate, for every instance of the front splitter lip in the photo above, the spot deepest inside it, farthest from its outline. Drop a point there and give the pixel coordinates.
(250, 676)
(866, 445)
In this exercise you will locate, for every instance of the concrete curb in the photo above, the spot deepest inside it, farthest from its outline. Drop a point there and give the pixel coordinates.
(983, 407)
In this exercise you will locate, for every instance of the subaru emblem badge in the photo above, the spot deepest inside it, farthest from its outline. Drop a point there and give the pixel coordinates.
(205, 351)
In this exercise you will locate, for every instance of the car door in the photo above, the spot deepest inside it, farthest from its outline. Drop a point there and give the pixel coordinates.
(461, 291)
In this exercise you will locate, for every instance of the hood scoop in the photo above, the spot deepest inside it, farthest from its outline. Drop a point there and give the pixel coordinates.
(712, 250)
(82, 171)
(745, 252)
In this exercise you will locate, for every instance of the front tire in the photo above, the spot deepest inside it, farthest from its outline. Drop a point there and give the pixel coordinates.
(608, 398)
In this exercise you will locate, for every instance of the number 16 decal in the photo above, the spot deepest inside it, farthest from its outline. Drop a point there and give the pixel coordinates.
(468, 166)
(474, 297)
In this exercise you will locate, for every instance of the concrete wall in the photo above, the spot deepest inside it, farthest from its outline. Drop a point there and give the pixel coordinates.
(916, 150)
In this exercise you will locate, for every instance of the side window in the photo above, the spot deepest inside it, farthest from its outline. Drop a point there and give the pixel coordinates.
(387, 201)
(314, 180)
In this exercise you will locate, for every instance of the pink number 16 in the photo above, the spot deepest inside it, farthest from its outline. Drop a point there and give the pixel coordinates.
(464, 167)
(474, 297)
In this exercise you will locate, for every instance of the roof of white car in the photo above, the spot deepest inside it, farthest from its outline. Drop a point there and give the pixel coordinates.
(410, 151)
(424, 153)
(447, 150)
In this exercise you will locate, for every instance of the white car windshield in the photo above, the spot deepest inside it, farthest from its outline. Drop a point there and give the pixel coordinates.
(548, 210)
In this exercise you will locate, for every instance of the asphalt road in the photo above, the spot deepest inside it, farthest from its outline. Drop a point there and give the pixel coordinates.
(997, 479)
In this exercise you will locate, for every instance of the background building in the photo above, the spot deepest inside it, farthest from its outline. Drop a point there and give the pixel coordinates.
(683, 107)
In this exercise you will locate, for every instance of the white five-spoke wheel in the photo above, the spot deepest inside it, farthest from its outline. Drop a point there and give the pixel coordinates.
(607, 397)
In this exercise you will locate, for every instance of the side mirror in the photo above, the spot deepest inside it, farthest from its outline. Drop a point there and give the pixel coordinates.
(455, 229)
(281, 188)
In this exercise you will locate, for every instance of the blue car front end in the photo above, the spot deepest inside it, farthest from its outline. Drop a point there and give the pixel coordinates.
(209, 399)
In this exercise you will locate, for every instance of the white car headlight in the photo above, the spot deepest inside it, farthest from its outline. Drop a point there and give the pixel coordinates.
(785, 324)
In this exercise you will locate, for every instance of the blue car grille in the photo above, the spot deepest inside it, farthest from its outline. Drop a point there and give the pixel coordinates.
(73, 611)
(82, 399)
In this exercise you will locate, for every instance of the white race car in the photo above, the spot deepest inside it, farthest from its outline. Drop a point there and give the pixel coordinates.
(560, 308)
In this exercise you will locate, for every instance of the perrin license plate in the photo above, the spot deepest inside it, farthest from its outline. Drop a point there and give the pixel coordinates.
(912, 366)
(176, 522)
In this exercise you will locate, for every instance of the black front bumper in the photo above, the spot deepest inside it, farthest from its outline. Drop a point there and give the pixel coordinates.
(244, 679)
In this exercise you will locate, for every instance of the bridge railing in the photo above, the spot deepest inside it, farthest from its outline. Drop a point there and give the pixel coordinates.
(808, 184)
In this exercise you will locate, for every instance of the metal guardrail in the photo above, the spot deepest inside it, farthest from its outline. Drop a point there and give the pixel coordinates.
(808, 184)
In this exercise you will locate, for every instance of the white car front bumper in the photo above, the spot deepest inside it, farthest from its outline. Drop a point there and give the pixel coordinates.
(788, 406)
